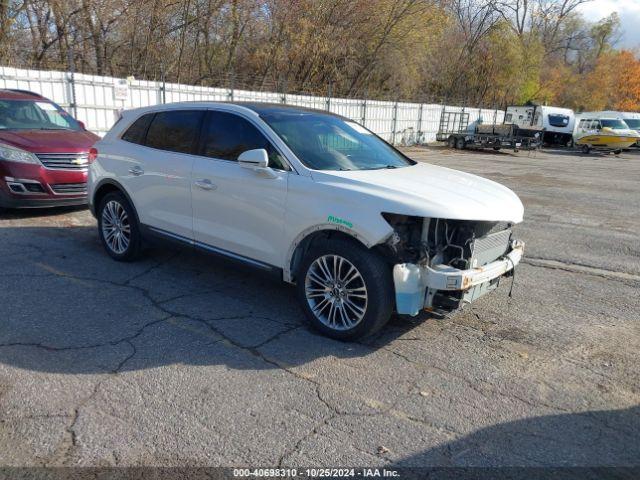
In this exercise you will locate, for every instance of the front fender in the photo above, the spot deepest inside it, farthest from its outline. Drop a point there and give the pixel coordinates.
(312, 207)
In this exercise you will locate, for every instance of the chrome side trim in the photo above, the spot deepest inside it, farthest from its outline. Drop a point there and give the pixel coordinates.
(172, 235)
(210, 248)
(226, 253)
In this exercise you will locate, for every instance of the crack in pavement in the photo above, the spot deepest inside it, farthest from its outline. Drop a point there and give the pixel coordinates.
(472, 386)
(148, 270)
(334, 411)
(301, 440)
(170, 314)
(228, 341)
(580, 268)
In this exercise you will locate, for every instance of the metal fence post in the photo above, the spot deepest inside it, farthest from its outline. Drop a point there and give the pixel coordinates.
(232, 86)
(283, 98)
(363, 115)
(73, 106)
(163, 88)
(329, 94)
(395, 122)
(419, 129)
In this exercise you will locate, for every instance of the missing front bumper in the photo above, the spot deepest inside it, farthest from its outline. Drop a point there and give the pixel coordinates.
(417, 285)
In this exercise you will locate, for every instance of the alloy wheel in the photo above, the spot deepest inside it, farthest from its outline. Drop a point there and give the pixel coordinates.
(336, 292)
(116, 229)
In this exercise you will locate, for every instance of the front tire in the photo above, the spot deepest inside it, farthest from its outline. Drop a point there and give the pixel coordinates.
(118, 228)
(345, 291)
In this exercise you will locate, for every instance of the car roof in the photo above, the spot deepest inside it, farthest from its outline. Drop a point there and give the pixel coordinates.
(273, 108)
(16, 94)
(255, 108)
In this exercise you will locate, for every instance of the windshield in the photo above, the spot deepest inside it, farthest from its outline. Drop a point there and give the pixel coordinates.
(327, 142)
(614, 124)
(633, 123)
(34, 115)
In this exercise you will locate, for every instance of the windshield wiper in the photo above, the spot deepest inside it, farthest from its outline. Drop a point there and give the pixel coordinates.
(386, 167)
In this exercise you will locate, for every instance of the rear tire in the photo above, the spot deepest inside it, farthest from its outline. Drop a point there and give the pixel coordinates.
(617, 152)
(118, 228)
(460, 143)
(346, 291)
(451, 142)
(586, 149)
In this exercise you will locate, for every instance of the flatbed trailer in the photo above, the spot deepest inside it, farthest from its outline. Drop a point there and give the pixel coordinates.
(454, 130)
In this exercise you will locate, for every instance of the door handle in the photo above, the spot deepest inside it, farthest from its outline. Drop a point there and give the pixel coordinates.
(205, 184)
(137, 171)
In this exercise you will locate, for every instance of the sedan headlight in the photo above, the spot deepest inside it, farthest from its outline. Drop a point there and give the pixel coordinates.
(13, 154)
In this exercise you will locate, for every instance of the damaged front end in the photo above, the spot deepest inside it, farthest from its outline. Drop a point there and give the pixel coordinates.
(440, 264)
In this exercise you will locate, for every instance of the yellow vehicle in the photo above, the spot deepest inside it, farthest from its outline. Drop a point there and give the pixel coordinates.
(608, 134)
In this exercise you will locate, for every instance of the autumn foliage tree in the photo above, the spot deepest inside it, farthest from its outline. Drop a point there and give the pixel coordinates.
(473, 52)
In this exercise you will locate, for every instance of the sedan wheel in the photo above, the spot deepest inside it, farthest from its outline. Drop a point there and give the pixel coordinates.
(336, 292)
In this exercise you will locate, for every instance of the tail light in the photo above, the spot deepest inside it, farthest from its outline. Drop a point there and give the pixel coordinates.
(93, 154)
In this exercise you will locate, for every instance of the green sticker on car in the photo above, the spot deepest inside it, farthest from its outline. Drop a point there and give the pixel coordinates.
(339, 221)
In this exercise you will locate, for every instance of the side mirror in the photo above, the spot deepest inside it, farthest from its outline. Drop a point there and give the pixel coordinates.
(82, 125)
(257, 159)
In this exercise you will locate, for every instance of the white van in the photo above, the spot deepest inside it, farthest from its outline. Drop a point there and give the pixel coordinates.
(556, 122)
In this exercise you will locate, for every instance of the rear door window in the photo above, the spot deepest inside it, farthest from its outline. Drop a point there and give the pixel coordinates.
(175, 130)
(226, 135)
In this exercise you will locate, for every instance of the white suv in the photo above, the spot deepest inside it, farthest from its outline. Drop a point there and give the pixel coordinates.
(361, 229)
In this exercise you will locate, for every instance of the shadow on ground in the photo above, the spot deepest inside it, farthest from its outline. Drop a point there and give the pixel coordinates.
(27, 213)
(69, 308)
(587, 445)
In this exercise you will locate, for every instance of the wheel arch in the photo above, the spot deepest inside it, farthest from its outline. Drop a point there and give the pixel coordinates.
(309, 237)
(105, 187)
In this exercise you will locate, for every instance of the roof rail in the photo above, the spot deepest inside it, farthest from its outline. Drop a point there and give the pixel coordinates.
(26, 92)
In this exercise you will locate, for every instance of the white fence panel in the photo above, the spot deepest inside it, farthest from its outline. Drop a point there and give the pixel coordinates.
(96, 101)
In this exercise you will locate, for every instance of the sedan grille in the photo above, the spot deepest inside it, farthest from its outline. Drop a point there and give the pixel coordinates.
(69, 188)
(490, 247)
(64, 161)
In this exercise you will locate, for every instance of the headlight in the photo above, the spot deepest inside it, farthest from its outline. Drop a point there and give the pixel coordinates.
(13, 154)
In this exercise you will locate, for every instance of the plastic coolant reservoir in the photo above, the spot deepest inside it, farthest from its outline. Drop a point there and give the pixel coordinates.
(409, 291)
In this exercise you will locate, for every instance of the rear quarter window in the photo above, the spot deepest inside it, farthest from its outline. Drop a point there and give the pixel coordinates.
(137, 132)
(174, 130)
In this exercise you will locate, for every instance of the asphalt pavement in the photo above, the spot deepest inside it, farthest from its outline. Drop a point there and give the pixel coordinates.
(184, 359)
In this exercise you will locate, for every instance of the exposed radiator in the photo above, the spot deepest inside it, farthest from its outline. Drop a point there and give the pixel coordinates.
(490, 247)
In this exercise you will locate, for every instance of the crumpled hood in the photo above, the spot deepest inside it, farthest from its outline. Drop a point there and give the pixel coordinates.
(49, 141)
(430, 191)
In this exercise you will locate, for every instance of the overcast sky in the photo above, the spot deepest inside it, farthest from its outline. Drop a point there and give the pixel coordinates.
(629, 11)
